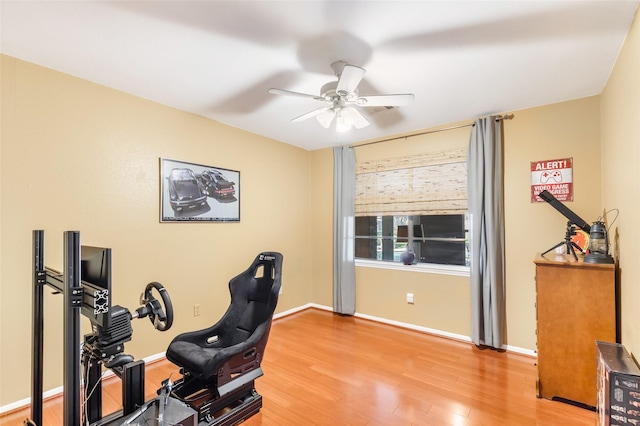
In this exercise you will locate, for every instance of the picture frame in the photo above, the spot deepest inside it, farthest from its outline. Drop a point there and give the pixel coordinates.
(192, 192)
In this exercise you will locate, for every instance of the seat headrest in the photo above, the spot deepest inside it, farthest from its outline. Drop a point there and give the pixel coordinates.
(261, 281)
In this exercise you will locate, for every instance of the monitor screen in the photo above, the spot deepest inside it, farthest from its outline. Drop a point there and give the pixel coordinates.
(95, 274)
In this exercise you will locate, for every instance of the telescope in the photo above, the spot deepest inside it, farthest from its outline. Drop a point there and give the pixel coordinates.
(573, 220)
(566, 211)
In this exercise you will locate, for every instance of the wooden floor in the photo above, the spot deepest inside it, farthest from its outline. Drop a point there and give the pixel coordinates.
(325, 369)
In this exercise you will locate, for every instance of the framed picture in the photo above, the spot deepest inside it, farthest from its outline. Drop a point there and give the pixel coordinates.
(191, 192)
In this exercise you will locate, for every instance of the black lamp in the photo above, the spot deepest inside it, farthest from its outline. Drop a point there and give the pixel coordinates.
(598, 245)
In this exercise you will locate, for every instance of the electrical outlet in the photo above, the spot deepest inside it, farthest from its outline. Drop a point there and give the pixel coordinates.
(196, 310)
(410, 298)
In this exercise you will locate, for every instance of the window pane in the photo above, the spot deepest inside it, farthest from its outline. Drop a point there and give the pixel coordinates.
(366, 237)
(443, 226)
(444, 241)
(440, 239)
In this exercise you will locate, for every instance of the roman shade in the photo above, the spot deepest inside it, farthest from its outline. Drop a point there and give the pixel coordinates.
(423, 184)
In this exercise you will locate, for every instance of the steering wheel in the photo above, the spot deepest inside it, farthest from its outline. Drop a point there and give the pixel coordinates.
(162, 319)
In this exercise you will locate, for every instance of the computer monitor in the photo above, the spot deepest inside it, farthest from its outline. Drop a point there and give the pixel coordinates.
(95, 275)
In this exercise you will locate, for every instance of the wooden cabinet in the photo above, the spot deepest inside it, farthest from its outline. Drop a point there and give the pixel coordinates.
(575, 306)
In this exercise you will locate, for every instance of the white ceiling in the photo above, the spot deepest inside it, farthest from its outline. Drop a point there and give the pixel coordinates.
(461, 59)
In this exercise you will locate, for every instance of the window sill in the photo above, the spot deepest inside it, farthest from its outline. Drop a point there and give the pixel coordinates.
(429, 268)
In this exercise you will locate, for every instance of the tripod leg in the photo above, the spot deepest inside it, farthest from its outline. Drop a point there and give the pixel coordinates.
(561, 243)
(577, 246)
(570, 249)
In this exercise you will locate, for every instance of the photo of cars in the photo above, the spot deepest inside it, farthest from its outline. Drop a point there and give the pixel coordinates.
(192, 192)
(185, 190)
(216, 185)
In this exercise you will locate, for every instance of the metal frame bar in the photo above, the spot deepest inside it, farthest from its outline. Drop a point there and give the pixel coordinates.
(37, 355)
(132, 386)
(71, 351)
(93, 404)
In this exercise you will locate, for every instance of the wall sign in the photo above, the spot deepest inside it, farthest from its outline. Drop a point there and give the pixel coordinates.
(556, 176)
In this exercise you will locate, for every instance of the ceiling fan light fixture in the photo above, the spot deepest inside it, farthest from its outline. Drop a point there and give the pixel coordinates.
(325, 118)
(354, 117)
(342, 123)
(343, 99)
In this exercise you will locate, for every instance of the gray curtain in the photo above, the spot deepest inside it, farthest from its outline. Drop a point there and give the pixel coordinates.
(486, 213)
(344, 194)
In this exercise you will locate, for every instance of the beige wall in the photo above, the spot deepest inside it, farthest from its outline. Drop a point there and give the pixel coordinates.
(621, 177)
(568, 129)
(79, 156)
(321, 220)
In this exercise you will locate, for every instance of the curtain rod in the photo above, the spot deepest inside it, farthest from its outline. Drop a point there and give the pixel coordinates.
(504, 117)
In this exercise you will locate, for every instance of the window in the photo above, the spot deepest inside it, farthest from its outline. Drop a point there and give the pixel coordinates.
(439, 239)
(417, 202)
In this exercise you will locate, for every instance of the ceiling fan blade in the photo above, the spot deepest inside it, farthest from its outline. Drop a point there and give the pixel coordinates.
(349, 79)
(297, 94)
(385, 100)
(354, 117)
(313, 113)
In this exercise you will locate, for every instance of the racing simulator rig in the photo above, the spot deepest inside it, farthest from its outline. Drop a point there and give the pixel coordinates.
(219, 364)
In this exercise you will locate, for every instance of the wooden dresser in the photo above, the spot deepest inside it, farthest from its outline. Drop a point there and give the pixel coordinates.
(575, 306)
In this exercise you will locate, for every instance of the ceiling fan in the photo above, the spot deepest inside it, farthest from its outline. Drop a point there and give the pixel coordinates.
(343, 101)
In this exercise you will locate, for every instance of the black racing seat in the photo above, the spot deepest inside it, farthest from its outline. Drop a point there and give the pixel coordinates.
(215, 356)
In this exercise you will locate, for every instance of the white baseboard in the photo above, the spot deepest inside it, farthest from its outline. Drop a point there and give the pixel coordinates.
(27, 401)
(514, 349)
(53, 392)
(58, 391)
(298, 309)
